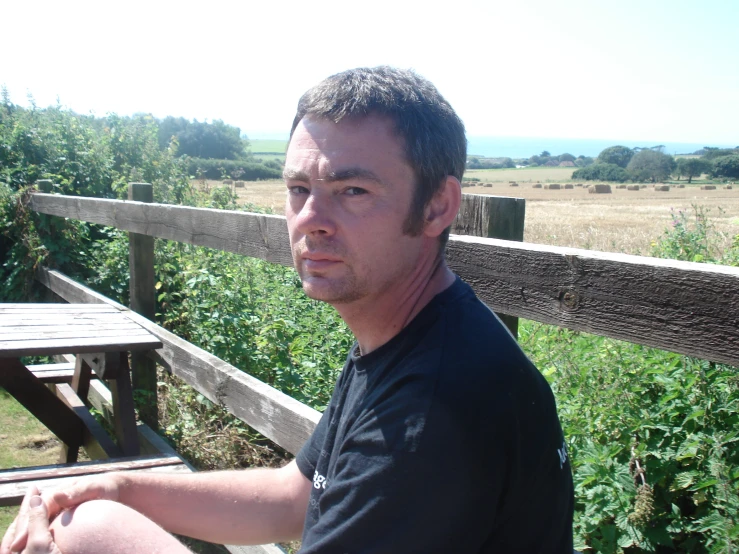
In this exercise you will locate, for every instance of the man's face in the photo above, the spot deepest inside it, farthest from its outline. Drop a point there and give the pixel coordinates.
(349, 191)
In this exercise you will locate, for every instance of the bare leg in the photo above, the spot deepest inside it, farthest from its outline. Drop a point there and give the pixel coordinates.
(105, 526)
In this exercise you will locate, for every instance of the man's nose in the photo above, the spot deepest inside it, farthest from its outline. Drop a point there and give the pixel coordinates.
(317, 216)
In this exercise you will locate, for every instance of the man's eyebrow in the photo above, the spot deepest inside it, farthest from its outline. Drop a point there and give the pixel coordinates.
(290, 174)
(347, 174)
(353, 173)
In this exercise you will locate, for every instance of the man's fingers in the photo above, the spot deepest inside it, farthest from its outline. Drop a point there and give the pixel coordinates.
(40, 540)
(8, 538)
(20, 526)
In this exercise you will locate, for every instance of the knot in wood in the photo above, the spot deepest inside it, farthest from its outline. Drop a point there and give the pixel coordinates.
(569, 299)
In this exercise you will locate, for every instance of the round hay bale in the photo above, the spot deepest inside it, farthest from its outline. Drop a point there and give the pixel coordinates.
(662, 188)
(228, 182)
(569, 186)
(681, 186)
(620, 186)
(578, 185)
(239, 184)
(552, 186)
(642, 186)
(728, 187)
(536, 186)
(633, 187)
(600, 189)
(708, 187)
(487, 185)
(513, 184)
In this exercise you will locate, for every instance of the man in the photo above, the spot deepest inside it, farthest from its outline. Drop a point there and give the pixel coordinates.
(440, 436)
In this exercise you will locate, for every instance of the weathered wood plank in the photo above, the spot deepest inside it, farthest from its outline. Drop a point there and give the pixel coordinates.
(73, 326)
(256, 235)
(684, 307)
(51, 307)
(277, 416)
(79, 469)
(96, 442)
(34, 333)
(12, 493)
(88, 344)
(143, 302)
(495, 217)
(124, 413)
(33, 395)
(498, 217)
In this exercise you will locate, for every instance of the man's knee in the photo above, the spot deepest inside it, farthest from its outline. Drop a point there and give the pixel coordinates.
(86, 527)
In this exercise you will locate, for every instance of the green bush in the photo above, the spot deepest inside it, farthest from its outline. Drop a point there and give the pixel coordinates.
(726, 166)
(237, 169)
(601, 172)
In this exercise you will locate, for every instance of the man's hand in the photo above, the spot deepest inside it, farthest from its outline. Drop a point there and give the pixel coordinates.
(39, 539)
(100, 487)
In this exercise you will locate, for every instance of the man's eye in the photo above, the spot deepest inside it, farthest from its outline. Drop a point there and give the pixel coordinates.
(355, 191)
(297, 189)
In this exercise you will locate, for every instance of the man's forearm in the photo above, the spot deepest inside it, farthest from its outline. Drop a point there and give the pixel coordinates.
(229, 507)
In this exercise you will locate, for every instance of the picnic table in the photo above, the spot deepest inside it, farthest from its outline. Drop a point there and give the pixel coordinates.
(100, 337)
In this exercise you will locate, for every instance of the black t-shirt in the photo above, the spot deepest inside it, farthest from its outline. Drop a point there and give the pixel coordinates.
(443, 440)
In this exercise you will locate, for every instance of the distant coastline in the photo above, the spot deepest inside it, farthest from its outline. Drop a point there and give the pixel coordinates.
(525, 147)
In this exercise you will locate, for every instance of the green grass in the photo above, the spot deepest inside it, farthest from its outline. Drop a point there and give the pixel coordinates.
(268, 157)
(24, 441)
(267, 146)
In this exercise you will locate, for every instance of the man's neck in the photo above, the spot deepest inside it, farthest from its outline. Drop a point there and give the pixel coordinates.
(374, 325)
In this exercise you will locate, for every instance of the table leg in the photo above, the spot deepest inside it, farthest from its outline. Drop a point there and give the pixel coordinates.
(28, 389)
(81, 386)
(123, 409)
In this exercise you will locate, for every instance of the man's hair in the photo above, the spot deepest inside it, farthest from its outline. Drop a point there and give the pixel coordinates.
(435, 143)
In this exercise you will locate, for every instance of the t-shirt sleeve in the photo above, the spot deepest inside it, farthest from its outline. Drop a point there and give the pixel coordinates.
(307, 457)
(391, 494)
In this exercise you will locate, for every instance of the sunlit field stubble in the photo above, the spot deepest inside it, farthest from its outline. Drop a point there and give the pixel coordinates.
(622, 221)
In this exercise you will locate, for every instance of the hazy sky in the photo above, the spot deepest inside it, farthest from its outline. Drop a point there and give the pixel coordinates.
(654, 71)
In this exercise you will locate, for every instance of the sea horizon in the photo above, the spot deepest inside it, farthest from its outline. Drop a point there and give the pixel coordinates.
(525, 147)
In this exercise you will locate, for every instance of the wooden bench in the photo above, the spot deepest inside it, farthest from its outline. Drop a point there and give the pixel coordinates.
(55, 373)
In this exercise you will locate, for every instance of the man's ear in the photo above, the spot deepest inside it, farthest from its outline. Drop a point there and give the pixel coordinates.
(443, 207)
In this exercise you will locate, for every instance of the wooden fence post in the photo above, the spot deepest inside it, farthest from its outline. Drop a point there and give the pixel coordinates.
(143, 301)
(496, 217)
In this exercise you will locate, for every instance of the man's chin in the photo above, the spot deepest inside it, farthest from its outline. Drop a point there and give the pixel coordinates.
(324, 292)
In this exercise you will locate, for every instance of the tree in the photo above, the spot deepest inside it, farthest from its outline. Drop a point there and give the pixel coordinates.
(202, 139)
(692, 167)
(618, 155)
(601, 172)
(584, 161)
(726, 166)
(650, 165)
(566, 157)
(713, 153)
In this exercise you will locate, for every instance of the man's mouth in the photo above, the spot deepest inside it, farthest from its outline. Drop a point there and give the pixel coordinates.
(317, 261)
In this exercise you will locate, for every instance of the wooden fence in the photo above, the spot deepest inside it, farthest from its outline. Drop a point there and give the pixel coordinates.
(683, 307)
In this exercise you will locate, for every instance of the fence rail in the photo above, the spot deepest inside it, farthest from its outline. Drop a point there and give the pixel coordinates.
(683, 307)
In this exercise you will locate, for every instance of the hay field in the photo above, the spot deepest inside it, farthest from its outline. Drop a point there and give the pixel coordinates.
(522, 175)
(623, 221)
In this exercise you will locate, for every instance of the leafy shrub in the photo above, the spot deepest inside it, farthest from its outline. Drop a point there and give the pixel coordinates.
(694, 238)
(678, 417)
(726, 166)
(218, 169)
(601, 172)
